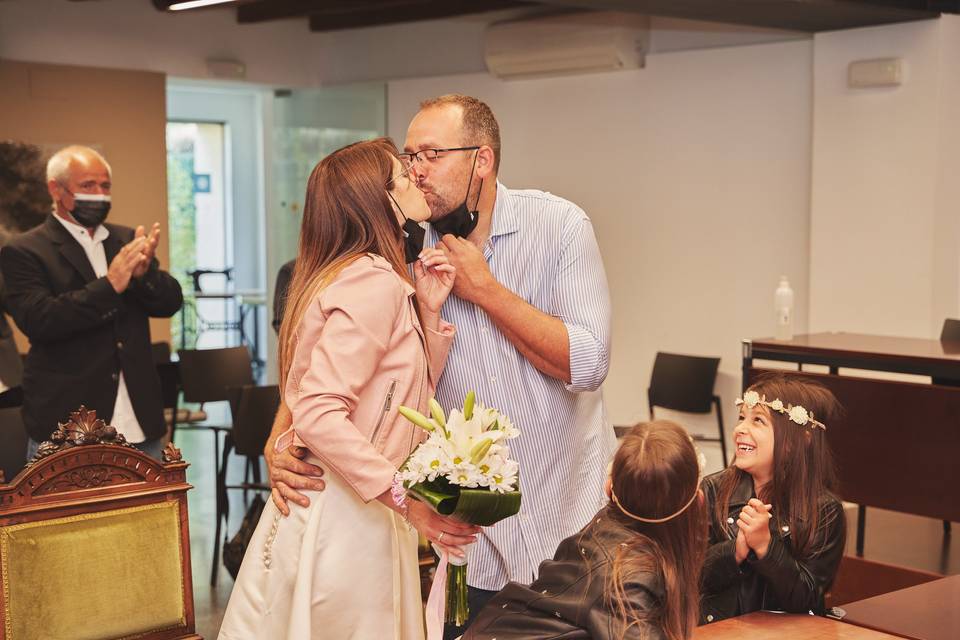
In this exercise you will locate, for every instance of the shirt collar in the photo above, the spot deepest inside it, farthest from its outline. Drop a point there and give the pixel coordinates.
(505, 219)
(100, 234)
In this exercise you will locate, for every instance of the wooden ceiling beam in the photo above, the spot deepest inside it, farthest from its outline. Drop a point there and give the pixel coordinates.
(265, 10)
(799, 15)
(356, 15)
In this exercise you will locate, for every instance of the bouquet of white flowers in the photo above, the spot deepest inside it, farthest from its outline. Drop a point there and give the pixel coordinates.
(463, 470)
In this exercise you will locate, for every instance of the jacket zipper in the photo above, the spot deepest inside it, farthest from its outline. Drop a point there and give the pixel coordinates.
(387, 402)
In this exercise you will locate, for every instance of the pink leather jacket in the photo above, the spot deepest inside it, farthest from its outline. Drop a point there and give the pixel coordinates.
(360, 354)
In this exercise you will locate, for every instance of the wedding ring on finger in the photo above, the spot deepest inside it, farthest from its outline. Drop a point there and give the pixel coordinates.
(440, 537)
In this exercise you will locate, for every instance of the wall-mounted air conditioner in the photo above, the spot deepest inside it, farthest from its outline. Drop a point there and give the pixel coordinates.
(568, 43)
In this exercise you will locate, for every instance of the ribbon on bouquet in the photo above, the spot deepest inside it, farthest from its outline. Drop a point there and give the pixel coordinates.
(437, 600)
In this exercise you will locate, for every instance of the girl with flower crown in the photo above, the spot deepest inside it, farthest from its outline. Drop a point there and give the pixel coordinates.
(632, 572)
(777, 530)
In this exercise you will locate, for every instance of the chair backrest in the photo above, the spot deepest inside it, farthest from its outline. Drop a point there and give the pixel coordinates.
(169, 374)
(160, 351)
(683, 383)
(93, 521)
(253, 409)
(13, 451)
(11, 398)
(196, 274)
(205, 374)
(950, 331)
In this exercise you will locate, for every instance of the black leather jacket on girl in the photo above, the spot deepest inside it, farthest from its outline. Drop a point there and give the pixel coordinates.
(567, 600)
(780, 581)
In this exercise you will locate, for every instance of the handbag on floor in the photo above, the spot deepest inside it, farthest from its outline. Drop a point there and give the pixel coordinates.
(237, 546)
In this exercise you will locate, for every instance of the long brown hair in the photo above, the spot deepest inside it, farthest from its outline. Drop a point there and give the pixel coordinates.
(655, 473)
(803, 469)
(346, 215)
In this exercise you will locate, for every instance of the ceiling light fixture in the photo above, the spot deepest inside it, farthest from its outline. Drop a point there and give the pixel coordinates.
(181, 5)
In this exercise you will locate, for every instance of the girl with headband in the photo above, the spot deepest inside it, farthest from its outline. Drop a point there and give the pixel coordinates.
(633, 572)
(777, 530)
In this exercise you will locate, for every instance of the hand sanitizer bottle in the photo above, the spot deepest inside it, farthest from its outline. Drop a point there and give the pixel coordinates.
(783, 304)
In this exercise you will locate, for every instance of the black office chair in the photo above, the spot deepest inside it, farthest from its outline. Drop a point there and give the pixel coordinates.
(12, 398)
(950, 331)
(205, 376)
(253, 409)
(160, 351)
(685, 383)
(13, 453)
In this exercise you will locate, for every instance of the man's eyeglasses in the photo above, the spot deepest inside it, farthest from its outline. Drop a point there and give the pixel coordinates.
(408, 159)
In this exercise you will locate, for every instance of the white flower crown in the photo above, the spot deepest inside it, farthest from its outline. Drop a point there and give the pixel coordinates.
(796, 413)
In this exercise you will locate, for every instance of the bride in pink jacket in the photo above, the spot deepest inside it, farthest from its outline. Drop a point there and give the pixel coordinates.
(359, 338)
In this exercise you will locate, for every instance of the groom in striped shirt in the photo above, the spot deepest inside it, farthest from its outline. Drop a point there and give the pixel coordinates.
(532, 311)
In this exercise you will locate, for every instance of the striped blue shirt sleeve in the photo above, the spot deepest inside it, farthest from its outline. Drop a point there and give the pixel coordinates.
(581, 300)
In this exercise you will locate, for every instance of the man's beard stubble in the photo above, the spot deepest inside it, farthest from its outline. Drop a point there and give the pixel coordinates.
(442, 204)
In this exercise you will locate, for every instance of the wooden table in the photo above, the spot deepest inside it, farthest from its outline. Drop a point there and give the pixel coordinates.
(897, 445)
(763, 625)
(930, 611)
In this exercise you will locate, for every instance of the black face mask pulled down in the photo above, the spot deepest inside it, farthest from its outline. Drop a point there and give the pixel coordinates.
(90, 209)
(461, 221)
(413, 235)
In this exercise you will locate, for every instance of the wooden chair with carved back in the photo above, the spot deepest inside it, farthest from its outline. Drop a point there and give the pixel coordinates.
(94, 541)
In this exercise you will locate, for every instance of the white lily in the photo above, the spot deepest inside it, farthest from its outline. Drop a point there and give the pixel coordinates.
(465, 434)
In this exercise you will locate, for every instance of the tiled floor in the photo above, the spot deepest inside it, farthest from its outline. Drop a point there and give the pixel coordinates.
(890, 537)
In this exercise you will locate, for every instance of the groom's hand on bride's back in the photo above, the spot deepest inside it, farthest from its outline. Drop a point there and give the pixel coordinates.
(289, 474)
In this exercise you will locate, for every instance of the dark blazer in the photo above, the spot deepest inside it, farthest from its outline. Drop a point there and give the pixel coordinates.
(567, 599)
(11, 364)
(83, 333)
(783, 580)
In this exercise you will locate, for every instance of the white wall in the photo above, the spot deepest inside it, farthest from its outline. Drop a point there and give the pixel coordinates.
(946, 222)
(884, 230)
(696, 174)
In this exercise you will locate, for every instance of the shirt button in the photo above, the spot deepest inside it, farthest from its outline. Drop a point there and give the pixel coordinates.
(115, 376)
(710, 618)
(119, 344)
(493, 380)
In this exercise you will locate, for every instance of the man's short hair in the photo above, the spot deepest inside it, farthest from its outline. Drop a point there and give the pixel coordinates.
(479, 124)
(58, 166)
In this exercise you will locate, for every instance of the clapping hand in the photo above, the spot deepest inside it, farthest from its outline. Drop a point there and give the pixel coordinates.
(126, 263)
(148, 249)
(434, 277)
(741, 548)
(754, 523)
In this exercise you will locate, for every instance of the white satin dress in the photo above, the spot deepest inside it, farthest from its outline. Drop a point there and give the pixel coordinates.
(340, 569)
